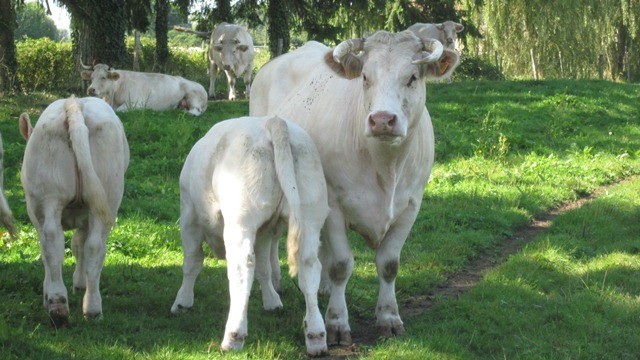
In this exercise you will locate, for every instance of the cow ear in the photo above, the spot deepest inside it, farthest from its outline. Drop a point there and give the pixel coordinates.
(86, 74)
(439, 26)
(349, 67)
(459, 27)
(114, 75)
(243, 47)
(441, 68)
(25, 126)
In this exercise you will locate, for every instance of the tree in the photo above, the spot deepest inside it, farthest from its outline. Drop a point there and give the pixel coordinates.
(8, 61)
(34, 23)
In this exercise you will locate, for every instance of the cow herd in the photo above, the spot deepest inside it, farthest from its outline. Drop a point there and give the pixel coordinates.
(336, 139)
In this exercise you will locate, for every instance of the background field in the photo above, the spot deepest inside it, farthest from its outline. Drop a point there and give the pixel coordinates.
(506, 152)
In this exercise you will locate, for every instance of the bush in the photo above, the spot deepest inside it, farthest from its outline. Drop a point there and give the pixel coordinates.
(46, 65)
(474, 68)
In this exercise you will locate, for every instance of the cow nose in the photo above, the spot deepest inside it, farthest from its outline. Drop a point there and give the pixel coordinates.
(226, 67)
(91, 91)
(382, 123)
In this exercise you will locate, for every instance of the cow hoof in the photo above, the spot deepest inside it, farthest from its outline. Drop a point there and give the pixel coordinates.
(95, 316)
(316, 344)
(59, 320)
(391, 331)
(233, 341)
(179, 309)
(335, 336)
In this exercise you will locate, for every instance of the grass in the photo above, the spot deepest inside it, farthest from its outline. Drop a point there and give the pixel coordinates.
(505, 153)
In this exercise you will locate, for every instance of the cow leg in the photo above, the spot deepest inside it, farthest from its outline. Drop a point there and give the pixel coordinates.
(338, 259)
(270, 298)
(309, 270)
(231, 83)
(387, 263)
(192, 236)
(276, 272)
(51, 239)
(247, 79)
(95, 250)
(77, 248)
(239, 244)
(213, 73)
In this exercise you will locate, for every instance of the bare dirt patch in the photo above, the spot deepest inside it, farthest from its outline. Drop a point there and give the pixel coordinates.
(364, 329)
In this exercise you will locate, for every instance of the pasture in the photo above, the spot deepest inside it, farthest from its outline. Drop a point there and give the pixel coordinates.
(506, 153)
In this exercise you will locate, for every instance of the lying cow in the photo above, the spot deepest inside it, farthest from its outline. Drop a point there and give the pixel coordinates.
(73, 178)
(6, 218)
(231, 51)
(125, 90)
(445, 32)
(364, 107)
(239, 185)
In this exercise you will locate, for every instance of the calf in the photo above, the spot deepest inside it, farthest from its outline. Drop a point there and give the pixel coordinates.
(73, 178)
(238, 186)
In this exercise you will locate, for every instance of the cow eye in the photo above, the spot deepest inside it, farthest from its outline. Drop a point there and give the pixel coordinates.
(365, 81)
(412, 80)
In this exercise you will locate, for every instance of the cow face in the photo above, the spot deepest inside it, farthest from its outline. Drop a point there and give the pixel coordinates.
(102, 80)
(228, 49)
(450, 32)
(390, 69)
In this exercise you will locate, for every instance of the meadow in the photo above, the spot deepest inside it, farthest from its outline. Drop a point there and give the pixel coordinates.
(506, 153)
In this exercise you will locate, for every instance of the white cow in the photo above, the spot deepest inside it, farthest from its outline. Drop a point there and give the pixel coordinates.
(73, 178)
(6, 218)
(239, 184)
(366, 114)
(125, 90)
(445, 32)
(231, 50)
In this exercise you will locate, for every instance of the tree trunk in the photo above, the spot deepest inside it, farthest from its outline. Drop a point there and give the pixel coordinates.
(136, 51)
(534, 66)
(8, 60)
(278, 26)
(162, 42)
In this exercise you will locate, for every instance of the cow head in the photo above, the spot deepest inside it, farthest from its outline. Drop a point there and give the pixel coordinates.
(450, 32)
(102, 80)
(228, 49)
(390, 68)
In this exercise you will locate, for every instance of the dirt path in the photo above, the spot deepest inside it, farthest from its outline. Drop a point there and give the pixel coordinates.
(459, 283)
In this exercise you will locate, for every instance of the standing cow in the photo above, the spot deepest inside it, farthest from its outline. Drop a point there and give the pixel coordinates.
(6, 218)
(73, 178)
(231, 50)
(238, 186)
(445, 32)
(364, 107)
(125, 90)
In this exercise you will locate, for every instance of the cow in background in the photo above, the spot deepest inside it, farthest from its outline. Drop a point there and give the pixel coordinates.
(6, 218)
(240, 185)
(73, 178)
(231, 50)
(445, 32)
(125, 90)
(364, 107)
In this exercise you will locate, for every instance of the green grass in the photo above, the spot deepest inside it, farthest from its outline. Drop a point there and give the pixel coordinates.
(505, 153)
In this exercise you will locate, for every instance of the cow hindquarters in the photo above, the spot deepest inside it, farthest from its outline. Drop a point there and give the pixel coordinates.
(387, 263)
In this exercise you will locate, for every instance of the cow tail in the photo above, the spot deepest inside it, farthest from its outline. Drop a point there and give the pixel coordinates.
(286, 174)
(5, 212)
(79, 135)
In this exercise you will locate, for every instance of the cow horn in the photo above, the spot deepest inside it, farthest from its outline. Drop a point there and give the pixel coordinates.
(434, 47)
(347, 46)
(84, 66)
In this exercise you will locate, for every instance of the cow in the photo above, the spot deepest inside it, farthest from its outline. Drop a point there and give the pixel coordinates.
(73, 178)
(231, 50)
(6, 217)
(239, 185)
(125, 90)
(364, 107)
(446, 32)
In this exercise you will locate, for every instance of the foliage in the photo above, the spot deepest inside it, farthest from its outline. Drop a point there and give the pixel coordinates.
(34, 23)
(505, 153)
(46, 65)
(474, 68)
(8, 59)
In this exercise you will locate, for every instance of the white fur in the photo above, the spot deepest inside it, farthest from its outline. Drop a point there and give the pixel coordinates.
(231, 50)
(375, 178)
(239, 183)
(445, 32)
(76, 144)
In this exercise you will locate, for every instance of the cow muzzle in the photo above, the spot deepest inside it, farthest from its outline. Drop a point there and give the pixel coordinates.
(383, 125)
(91, 91)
